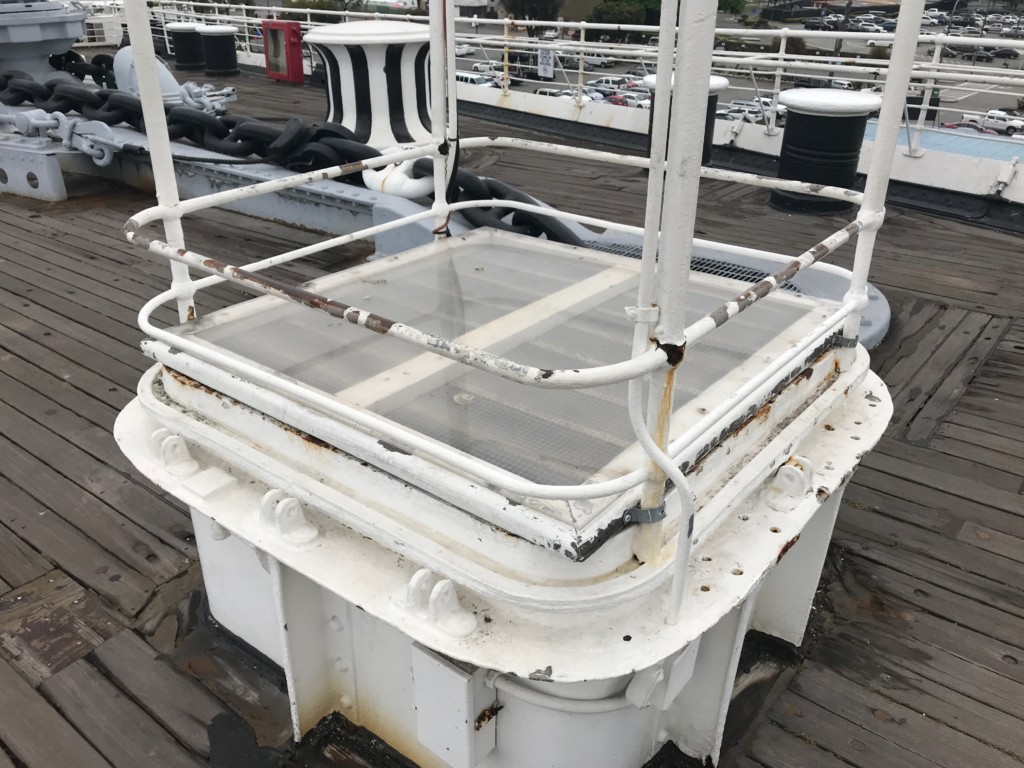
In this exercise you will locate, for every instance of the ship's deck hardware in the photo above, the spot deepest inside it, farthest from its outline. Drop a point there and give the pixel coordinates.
(468, 473)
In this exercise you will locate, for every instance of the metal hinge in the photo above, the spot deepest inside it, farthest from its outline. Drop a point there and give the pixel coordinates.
(643, 516)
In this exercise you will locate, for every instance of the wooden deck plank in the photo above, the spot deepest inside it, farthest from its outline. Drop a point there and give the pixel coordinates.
(932, 571)
(893, 615)
(61, 355)
(949, 607)
(1010, 547)
(119, 362)
(76, 553)
(846, 740)
(954, 383)
(938, 666)
(862, 664)
(970, 450)
(19, 563)
(35, 732)
(63, 417)
(122, 732)
(916, 377)
(55, 383)
(83, 472)
(911, 729)
(1009, 410)
(958, 486)
(882, 529)
(179, 704)
(49, 623)
(927, 508)
(773, 747)
(93, 516)
(925, 457)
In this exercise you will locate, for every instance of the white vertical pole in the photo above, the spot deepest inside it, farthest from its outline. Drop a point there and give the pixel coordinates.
(688, 109)
(137, 16)
(443, 103)
(914, 148)
(872, 209)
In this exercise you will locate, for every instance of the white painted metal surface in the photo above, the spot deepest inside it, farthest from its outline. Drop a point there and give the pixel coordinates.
(477, 507)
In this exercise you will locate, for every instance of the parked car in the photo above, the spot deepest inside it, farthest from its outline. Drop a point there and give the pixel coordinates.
(746, 114)
(879, 43)
(967, 128)
(997, 120)
(475, 78)
(609, 84)
(464, 49)
(629, 100)
(822, 82)
(488, 67)
(571, 94)
(979, 55)
(889, 26)
(762, 102)
(549, 34)
(871, 27)
(574, 62)
(1005, 53)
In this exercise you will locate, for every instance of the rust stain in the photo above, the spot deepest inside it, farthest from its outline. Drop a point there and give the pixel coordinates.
(188, 381)
(786, 547)
(191, 311)
(487, 715)
(665, 408)
(823, 493)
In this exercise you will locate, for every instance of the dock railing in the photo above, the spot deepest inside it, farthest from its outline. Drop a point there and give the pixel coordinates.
(661, 335)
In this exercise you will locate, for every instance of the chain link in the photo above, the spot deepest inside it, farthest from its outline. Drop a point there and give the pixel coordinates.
(296, 146)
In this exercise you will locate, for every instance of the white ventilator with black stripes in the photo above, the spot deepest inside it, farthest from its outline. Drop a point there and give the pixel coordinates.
(377, 79)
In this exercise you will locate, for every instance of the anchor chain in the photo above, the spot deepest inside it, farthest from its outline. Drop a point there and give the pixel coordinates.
(296, 146)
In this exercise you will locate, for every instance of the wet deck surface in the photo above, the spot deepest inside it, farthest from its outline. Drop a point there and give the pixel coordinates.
(917, 654)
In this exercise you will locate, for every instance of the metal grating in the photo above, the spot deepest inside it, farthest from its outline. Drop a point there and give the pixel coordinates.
(701, 264)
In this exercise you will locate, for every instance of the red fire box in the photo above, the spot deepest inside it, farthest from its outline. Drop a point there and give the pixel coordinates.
(282, 46)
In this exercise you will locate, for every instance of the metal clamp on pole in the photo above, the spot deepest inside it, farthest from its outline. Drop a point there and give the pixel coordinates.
(644, 516)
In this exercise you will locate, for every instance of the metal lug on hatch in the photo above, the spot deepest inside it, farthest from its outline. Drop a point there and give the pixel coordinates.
(430, 597)
(445, 610)
(285, 516)
(218, 532)
(793, 481)
(173, 453)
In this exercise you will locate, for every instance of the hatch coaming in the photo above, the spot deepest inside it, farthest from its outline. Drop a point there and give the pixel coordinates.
(548, 305)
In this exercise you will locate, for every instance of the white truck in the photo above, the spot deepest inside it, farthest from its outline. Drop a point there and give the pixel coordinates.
(997, 120)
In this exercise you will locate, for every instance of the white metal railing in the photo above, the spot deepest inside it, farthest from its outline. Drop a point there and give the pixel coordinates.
(931, 72)
(660, 337)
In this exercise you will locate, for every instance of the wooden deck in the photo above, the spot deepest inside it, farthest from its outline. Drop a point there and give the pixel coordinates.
(917, 652)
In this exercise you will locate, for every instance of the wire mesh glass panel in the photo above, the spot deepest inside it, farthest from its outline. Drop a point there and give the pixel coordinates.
(537, 303)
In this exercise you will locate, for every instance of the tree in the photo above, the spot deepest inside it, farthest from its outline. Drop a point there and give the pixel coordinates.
(732, 6)
(617, 12)
(539, 10)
